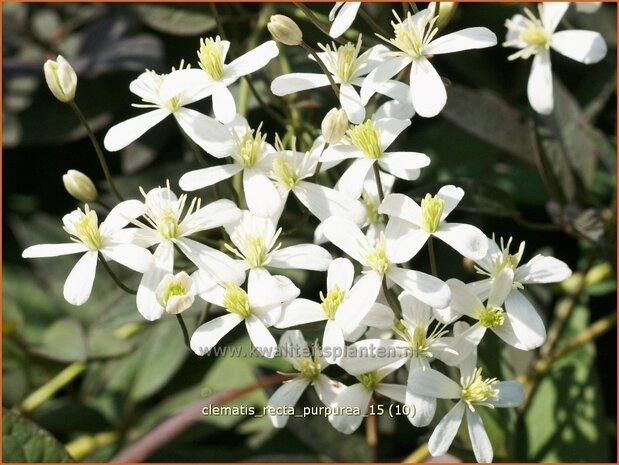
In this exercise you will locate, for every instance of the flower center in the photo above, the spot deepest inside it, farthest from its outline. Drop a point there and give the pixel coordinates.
(284, 171)
(254, 251)
(377, 258)
(371, 209)
(85, 227)
(309, 368)
(167, 224)
(179, 286)
(431, 211)
(367, 139)
(332, 301)
(418, 341)
(477, 390)
(344, 59)
(412, 38)
(173, 104)
(492, 317)
(534, 35)
(211, 58)
(369, 380)
(236, 300)
(249, 147)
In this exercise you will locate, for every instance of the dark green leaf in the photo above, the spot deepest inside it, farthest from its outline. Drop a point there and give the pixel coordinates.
(177, 19)
(64, 341)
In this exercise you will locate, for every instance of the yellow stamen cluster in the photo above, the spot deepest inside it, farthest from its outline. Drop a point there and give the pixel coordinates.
(168, 224)
(344, 59)
(284, 171)
(492, 317)
(418, 341)
(532, 33)
(211, 57)
(249, 147)
(369, 380)
(254, 250)
(412, 38)
(86, 228)
(431, 211)
(309, 368)
(377, 258)
(477, 390)
(367, 139)
(332, 301)
(236, 300)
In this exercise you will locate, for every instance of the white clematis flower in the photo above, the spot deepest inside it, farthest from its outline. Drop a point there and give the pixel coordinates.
(347, 68)
(294, 348)
(473, 391)
(254, 240)
(380, 259)
(259, 307)
(175, 293)
(524, 319)
(169, 224)
(293, 171)
(414, 39)
(252, 156)
(214, 76)
(536, 36)
(342, 16)
(367, 144)
(203, 130)
(419, 223)
(91, 238)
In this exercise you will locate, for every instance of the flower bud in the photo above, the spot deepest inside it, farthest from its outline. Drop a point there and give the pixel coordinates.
(285, 30)
(334, 125)
(175, 293)
(445, 12)
(79, 186)
(61, 79)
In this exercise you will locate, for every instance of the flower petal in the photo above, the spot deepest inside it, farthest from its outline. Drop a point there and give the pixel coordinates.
(465, 39)
(396, 392)
(131, 256)
(584, 46)
(351, 104)
(427, 89)
(445, 432)
(358, 301)
(302, 257)
(401, 206)
(252, 61)
(79, 283)
(404, 160)
(403, 241)
(552, 12)
(53, 250)
(381, 74)
(351, 182)
(212, 136)
(261, 338)
(390, 129)
(375, 354)
(122, 134)
(353, 397)
(213, 215)
(210, 333)
(526, 322)
(261, 195)
(121, 215)
(467, 240)
(264, 290)
(327, 389)
(300, 312)
(542, 270)
(223, 104)
(146, 299)
(344, 18)
(216, 263)
(324, 202)
(482, 448)
(341, 272)
(297, 82)
(347, 236)
(539, 87)
(451, 197)
(426, 288)
(333, 344)
(287, 395)
(511, 394)
(435, 384)
(463, 300)
(501, 287)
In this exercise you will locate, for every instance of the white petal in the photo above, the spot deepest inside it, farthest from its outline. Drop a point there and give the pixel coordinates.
(374, 354)
(390, 129)
(264, 290)
(354, 397)
(427, 89)
(479, 438)
(339, 152)
(223, 104)
(467, 240)
(213, 215)
(542, 270)
(78, 285)
(262, 197)
(539, 87)
(552, 12)
(424, 407)
(327, 389)
(463, 300)
(380, 316)
(197, 179)
(302, 257)
(297, 82)
(584, 46)
(293, 347)
(341, 273)
(347, 236)
(433, 383)
(414, 311)
(381, 74)
(401, 206)
(445, 432)
(131, 256)
(426, 288)
(333, 344)
(351, 104)
(121, 215)
(451, 197)
(252, 60)
(528, 326)
(300, 312)
(122, 134)
(324, 202)
(372, 58)
(511, 394)
(404, 161)
(358, 302)
(261, 338)
(466, 39)
(210, 333)
(351, 182)
(218, 264)
(53, 250)
(344, 18)
(146, 299)
(501, 287)
(287, 395)
(393, 391)
(464, 345)
(211, 136)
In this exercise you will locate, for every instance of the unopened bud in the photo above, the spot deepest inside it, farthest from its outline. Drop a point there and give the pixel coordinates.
(79, 186)
(175, 293)
(445, 11)
(334, 125)
(285, 30)
(598, 273)
(61, 79)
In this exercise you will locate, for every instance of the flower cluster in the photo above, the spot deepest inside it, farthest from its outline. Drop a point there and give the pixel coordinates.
(380, 315)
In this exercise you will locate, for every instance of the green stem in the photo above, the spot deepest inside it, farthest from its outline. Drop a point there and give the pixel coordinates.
(373, 25)
(97, 147)
(50, 388)
(183, 326)
(313, 53)
(390, 300)
(114, 277)
(432, 257)
(316, 22)
(379, 183)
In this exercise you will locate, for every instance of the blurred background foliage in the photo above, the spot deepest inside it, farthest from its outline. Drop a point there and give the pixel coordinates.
(104, 377)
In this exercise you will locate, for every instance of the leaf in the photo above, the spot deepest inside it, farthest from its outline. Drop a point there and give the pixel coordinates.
(24, 441)
(64, 341)
(176, 19)
(492, 120)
